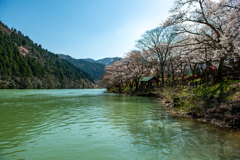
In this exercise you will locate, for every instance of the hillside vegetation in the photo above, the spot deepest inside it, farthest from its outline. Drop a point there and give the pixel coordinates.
(217, 103)
(24, 64)
(96, 70)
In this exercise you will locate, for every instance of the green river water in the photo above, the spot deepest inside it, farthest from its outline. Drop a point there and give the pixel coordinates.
(88, 124)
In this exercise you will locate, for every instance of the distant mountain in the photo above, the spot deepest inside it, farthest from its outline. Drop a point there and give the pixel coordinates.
(94, 67)
(109, 61)
(90, 60)
(24, 64)
(106, 61)
(96, 70)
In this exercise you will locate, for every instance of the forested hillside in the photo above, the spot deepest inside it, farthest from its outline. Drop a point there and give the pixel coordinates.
(24, 64)
(96, 70)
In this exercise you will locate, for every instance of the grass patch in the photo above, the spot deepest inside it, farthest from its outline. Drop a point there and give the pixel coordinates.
(203, 97)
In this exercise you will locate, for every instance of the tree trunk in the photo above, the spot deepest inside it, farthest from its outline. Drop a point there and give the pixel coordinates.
(173, 75)
(119, 89)
(162, 79)
(137, 86)
(181, 68)
(220, 69)
(193, 69)
(206, 64)
(131, 86)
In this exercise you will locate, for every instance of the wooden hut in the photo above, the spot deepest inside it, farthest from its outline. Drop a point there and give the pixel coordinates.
(147, 82)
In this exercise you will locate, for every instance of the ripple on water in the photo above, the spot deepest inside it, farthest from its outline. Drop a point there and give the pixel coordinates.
(70, 124)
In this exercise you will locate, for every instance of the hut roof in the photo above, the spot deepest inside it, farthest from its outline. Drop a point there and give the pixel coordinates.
(145, 79)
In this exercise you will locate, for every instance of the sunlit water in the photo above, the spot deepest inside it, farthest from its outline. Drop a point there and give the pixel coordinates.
(90, 125)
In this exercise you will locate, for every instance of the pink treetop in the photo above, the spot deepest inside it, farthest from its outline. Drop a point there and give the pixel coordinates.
(23, 51)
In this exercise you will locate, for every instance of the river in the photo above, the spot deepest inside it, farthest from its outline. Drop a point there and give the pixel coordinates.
(89, 124)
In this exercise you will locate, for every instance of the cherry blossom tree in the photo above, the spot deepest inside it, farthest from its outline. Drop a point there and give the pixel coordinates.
(127, 71)
(156, 46)
(137, 68)
(114, 75)
(211, 24)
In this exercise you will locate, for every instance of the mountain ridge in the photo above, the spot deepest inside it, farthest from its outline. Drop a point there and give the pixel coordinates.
(94, 67)
(26, 65)
(106, 61)
(96, 70)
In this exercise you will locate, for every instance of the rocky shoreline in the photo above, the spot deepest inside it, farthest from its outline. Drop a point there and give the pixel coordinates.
(205, 118)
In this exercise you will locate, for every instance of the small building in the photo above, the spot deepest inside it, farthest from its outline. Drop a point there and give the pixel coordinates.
(149, 82)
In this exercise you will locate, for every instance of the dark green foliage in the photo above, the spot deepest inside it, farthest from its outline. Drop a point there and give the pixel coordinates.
(96, 70)
(38, 68)
(24, 42)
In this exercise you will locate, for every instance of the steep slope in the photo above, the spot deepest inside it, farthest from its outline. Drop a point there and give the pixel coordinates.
(24, 64)
(96, 70)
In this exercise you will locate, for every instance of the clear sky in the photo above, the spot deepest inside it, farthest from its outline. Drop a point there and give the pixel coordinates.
(85, 28)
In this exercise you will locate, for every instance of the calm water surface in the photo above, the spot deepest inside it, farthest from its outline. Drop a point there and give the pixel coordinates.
(89, 125)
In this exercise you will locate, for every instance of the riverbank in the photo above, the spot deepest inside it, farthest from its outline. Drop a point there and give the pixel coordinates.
(215, 103)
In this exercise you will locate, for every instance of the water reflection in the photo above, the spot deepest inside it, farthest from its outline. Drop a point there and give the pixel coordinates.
(167, 137)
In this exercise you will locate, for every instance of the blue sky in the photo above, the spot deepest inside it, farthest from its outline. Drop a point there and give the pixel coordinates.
(85, 28)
